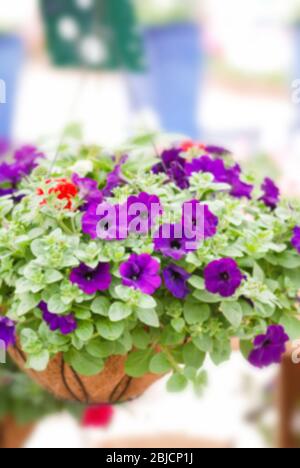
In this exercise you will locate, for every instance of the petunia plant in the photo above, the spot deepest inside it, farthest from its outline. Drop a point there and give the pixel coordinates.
(160, 253)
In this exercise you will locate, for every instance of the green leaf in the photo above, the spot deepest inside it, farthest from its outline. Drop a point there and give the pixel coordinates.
(246, 347)
(192, 356)
(197, 282)
(56, 305)
(28, 302)
(206, 297)
(30, 341)
(119, 311)
(291, 326)
(195, 312)
(203, 343)
(233, 312)
(100, 306)
(178, 324)
(38, 361)
(52, 276)
(100, 349)
(149, 317)
(85, 330)
(160, 364)
(177, 383)
(110, 330)
(141, 339)
(83, 363)
(146, 302)
(200, 383)
(138, 362)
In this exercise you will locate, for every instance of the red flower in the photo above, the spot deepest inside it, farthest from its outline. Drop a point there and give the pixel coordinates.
(98, 416)
(65, 190)
(189, 144)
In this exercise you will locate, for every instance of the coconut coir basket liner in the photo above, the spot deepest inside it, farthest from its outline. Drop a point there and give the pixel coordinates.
(12, 434)
(112, 385)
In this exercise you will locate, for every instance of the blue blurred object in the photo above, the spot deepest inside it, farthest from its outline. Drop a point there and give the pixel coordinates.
(172, 82)
(11, 57)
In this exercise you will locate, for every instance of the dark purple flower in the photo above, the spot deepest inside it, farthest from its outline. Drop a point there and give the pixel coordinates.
(205, 163)
(88, 190)
(143, 211)
(239, 188)
(198, 218)
(91, 280)
(114, 179)
(7, 332)
(141, 272)
(271, 194)
(173, 165)
(296, 239)
(174, 241)
(269, 348)
(223, 277)
(216, 150)
(106, 221)
(176, 281)
(65, 323)
(6, 191)
(25, 160)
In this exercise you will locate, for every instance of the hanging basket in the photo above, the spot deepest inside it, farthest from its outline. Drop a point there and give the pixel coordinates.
(112, 385)
(13, 435)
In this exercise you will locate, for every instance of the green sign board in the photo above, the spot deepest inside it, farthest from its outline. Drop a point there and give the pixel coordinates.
(93, 34)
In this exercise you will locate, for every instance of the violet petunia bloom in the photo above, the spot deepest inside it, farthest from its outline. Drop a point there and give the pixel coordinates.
(65, 323)
(115, 179)
(175, 241)
(25, 160)
(205, 163)
(88, 190)
(173, 165)
(106, 221)
(142, 212)
(7, 332)
(216, 150)
(91, 280)
(176, 279)
(296, 239)
(198, 218)
(223, 277)
(271, 194)
(6, 191)
(269, 348)
(239, 188)
(141, 272)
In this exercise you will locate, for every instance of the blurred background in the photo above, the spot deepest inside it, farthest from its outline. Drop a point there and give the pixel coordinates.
(222, 72)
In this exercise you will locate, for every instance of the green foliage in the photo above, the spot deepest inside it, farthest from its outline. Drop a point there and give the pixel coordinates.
(39, 246)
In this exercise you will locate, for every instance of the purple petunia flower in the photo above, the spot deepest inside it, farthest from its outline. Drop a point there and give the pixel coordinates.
(65, 323)
(173, 165)
(223, 277)
(141, 272)
(91, 280)
(296, 239)
(239, 189)
(198, 218)
(106, 222)
(142, 212)
(88, 190)
(216, 150)
(271, 194)
(205, 163)
(176, 279)
(7, 332)
(174, 241)
(114, 179)
(269, 348)
(6, 191)
(25, 160)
